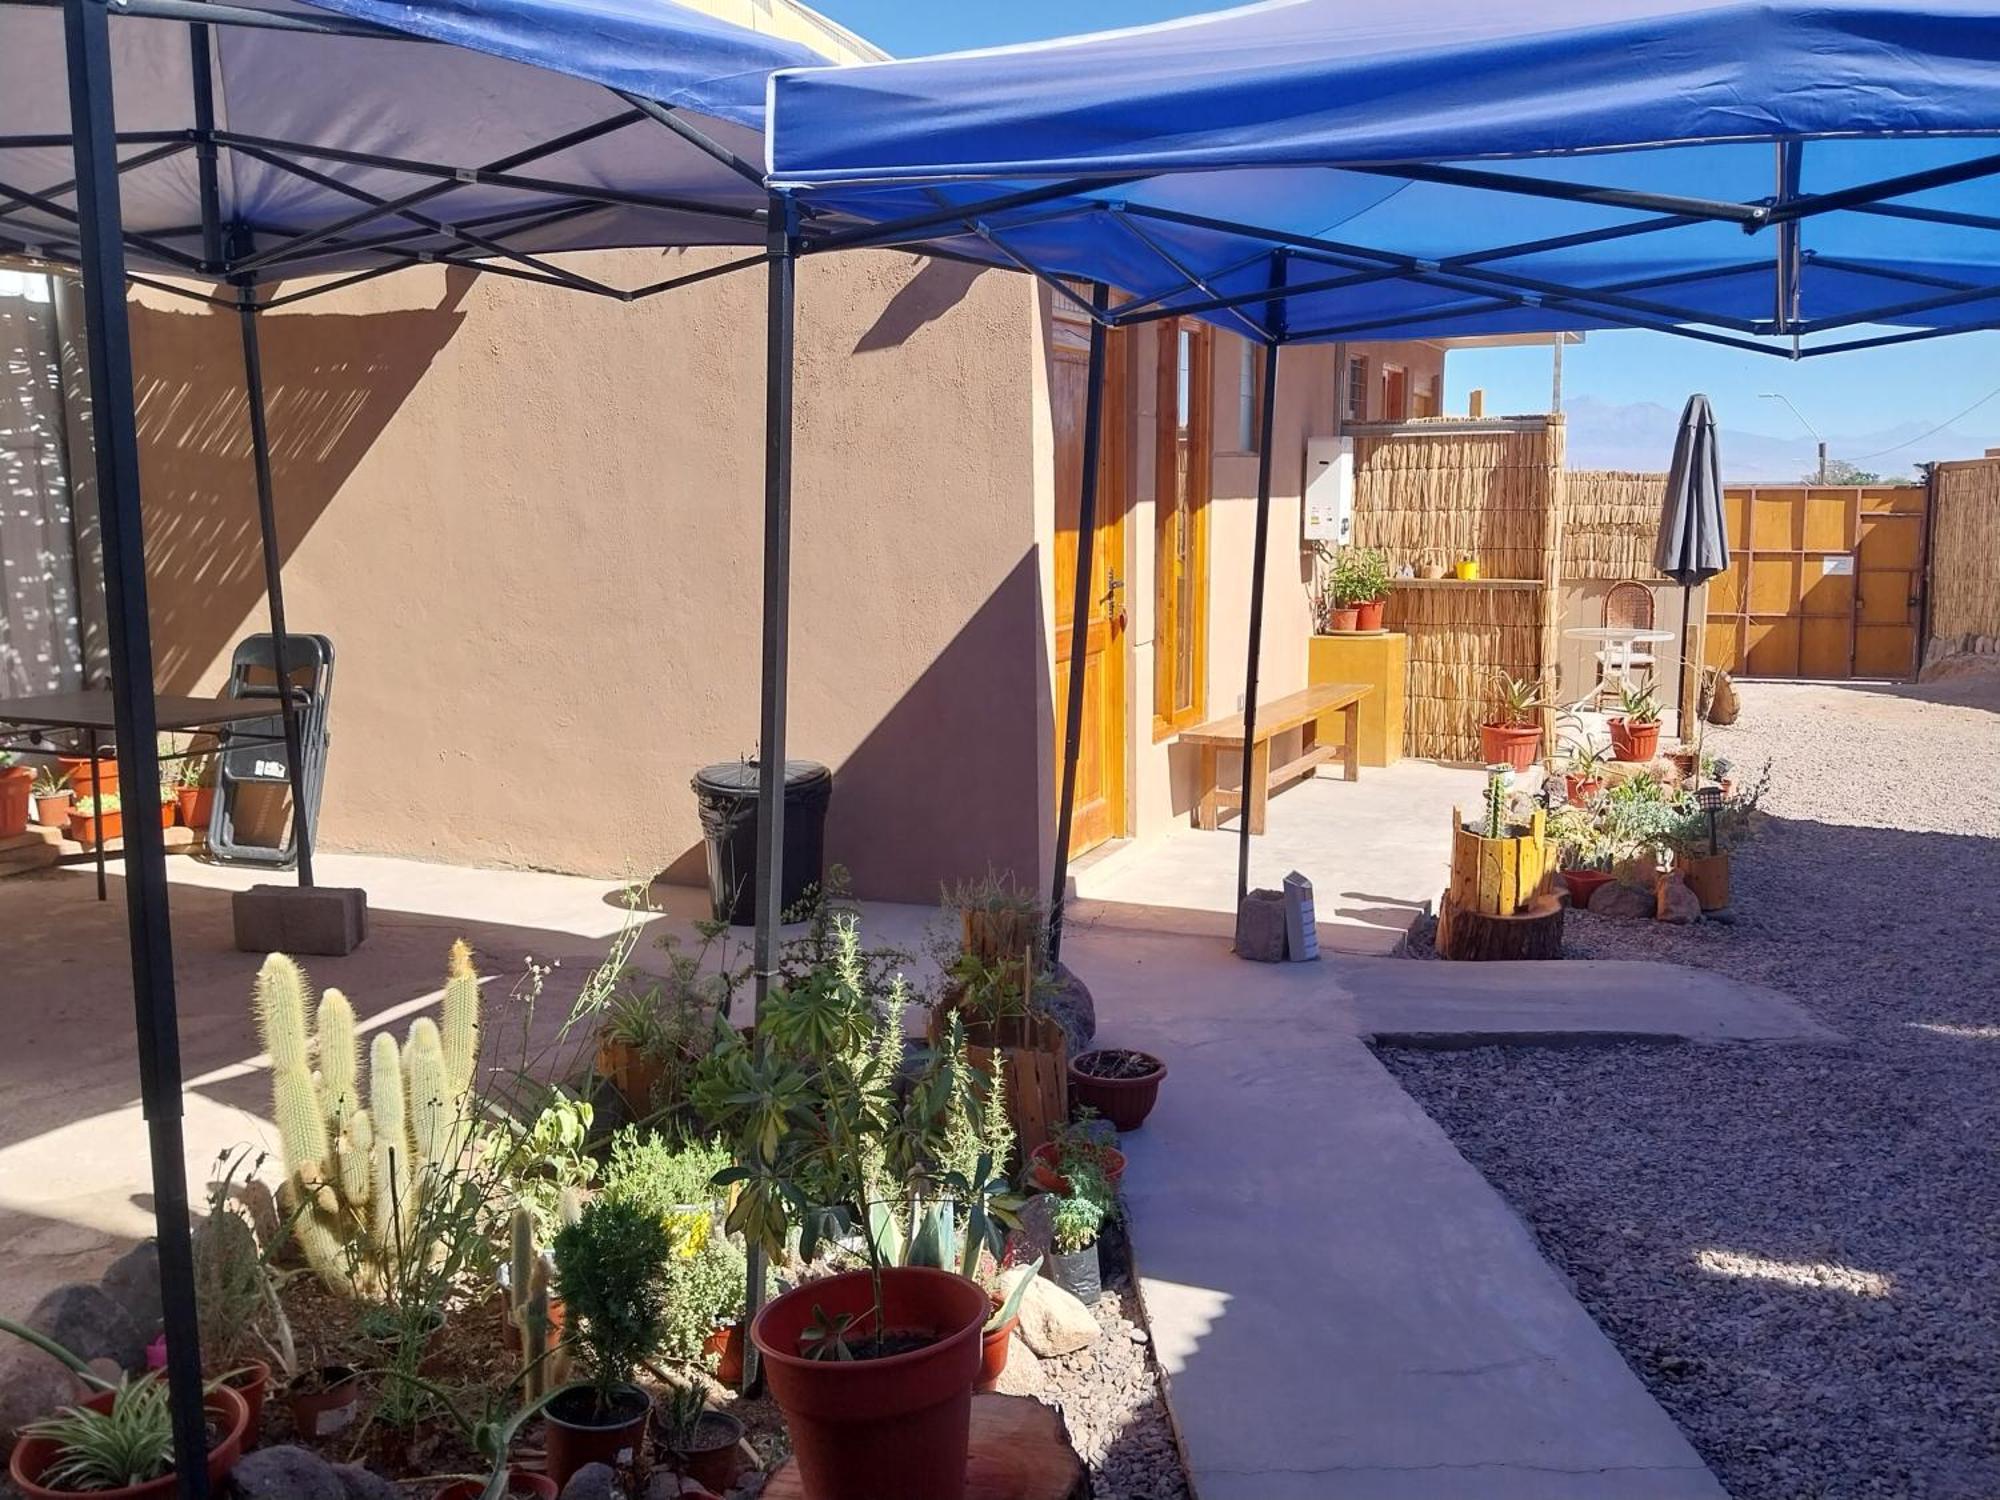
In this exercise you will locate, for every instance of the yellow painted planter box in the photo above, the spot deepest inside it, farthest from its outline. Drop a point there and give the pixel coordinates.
(1383, 662)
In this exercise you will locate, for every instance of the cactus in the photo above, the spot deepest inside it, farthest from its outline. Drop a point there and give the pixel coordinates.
(391, 1146)
(432, 1112)
(1496, 802)
(461, 1018)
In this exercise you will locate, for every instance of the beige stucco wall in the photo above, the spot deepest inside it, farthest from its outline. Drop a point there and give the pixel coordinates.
(531, 521)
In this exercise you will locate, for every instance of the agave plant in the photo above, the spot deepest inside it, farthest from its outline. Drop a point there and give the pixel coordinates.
(1520, 699)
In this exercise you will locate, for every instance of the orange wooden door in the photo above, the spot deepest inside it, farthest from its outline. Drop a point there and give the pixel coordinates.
(1823, 582)
(1100, 763)
(1184, 438)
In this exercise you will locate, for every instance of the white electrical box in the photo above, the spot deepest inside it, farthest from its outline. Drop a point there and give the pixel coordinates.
(1329, 490)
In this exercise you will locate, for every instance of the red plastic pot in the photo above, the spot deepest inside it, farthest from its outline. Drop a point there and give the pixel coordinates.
(726, 1344)
(1511, 745)
(1368, 616)
(519, 1482)
(718, 1463)
(1631, 741)
(1125, 1102)
(15, 784)
(251, 1379)
(993, 1351)
(1579, 789)
(1343, 617)
(1043, 1160)
(1583, 885)
(33, 1455)
(895, 1428)
(573, 1434)
(87, 831)
(197, 802)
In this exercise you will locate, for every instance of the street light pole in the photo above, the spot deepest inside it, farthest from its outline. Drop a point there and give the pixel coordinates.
(1775, 396)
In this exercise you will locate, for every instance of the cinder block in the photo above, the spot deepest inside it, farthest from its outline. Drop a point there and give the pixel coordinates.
(322, 920)
(1260, 927)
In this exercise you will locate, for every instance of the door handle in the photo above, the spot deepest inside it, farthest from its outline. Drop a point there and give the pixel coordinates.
(1114, 586)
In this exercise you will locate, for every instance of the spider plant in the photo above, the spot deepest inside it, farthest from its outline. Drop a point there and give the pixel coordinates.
(50, 781)
(130, 1444)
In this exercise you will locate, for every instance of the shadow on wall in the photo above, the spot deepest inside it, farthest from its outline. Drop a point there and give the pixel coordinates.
(947, 783)
(331, 383)
(938, 287)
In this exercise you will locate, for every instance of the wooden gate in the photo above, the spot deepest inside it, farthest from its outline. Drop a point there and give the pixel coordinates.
(1824, 581)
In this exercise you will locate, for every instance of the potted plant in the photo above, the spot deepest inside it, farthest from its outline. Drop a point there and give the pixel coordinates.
(17, 784)
(1513, 736)
(1076, 1221)
(1087, 1139)
(1583, 854)
(700, 1442)
(1119, 1083)
(998, 1332)
(1584, 760)
(170, 804)
(873, 1369)
(194, 790)
(89, 777)
(237, 1308)
(1353, 588)
(53, 796)
(95, 818)
(1635, 728)
(608, 1264)
(1706, 836)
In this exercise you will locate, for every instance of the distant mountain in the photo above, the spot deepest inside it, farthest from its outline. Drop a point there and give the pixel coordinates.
(1640, 436)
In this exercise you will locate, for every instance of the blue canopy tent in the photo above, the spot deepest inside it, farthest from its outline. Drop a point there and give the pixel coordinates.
(240, 146)
(1794, 177)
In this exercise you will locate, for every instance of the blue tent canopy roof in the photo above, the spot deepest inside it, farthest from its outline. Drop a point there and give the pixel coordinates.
(1452, 168)
(528, 134)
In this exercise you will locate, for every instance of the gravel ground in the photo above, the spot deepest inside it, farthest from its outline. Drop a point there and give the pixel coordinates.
(1798, 1248)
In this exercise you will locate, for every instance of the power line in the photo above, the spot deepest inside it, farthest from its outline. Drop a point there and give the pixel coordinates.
(1937, 429)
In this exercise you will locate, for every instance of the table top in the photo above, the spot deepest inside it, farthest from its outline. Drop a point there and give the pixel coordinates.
(1617, 633)
(92, 710)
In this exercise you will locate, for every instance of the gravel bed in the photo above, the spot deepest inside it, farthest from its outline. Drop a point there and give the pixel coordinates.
(1798, 1248)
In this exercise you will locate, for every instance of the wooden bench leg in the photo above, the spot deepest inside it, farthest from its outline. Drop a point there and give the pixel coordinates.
(1257, 784)
(1352, 753)
(1205, 808)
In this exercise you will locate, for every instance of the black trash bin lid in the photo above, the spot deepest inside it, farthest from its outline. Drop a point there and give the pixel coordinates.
(737, 778)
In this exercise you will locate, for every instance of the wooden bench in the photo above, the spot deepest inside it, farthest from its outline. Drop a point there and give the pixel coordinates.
(1301, 710)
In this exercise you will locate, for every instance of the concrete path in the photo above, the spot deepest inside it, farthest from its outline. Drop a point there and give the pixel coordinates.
(1343, 1306)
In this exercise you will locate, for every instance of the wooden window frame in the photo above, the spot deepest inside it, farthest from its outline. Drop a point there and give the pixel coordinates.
(1357, 377)
(1167, 626)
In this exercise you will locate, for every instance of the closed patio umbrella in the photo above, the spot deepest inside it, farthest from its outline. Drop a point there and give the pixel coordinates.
(1694, 536)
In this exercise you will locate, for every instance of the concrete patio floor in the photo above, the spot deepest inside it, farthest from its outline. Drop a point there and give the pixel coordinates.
(1342, 1305)
(1376, 850)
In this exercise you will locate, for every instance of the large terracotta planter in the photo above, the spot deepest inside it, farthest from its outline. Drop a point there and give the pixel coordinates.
(77, 768)
(197, 802)
(87, 831)
(631, 1071)
(32, 1456)
(1707, 875)
(895, 1428)
(1512, 745)
(1369, 615)
(519, 1482)
(1125, 1102)
(16, 782)
(573, 1434)
(1634, 742)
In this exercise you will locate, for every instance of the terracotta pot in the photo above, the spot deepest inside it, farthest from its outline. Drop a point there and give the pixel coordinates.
(16, 782)
(87, 831)
(895, 1428)
(77, 768)
(1686, 762)
(1043, 1160)
(1343, 617)
(1125, 1102)
(1582, 788)
(519, 1482)
(32, 1456)
(170, 811)
(1638, 742)
(250, 1379)
(715, 1463)
(726, 1344)
(1583, 885)
(631, 1071)
(1369, 615)
(1511, 745)
(197, 803)
(993, 1351)
(52, 810)
(575, 1434)
(1707, 875)
(331, 1408)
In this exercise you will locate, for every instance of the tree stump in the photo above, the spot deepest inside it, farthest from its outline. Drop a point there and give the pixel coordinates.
(1020, 1451)
(1533, 932)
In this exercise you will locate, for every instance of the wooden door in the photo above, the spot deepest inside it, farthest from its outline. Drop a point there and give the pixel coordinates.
(1100, 762)
(1395, 394)
(1823, 582)
(1184, 437)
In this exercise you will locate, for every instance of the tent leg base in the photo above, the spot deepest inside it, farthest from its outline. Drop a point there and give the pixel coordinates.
(326, 921)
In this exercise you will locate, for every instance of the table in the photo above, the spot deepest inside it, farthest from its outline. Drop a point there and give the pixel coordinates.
(89, 713)
(1619, 644)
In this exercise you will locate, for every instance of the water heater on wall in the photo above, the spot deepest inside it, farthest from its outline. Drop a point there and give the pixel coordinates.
(1329, 490)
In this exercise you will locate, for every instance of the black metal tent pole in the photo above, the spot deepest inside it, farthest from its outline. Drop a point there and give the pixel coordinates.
(1260, 553)
(115, 430)
(1079, 613)
(770, 876)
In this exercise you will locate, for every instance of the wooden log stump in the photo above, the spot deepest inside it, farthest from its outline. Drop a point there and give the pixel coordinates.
(1533, 932)
(1020, 1451)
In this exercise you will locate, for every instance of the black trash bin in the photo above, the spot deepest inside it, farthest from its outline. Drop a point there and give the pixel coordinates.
(727, 797)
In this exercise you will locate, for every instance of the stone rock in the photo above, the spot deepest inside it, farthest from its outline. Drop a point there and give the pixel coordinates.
(1260, 927)
(365, 1484)
(1674, 902)
(32, 1386)
(1070, 1003)
(667, 1485)
(1619, 900)
(1053, 1323)
(88, 1323)
(285, 1472)
(593, 1482)
(1024, 1375)
(133, 1282)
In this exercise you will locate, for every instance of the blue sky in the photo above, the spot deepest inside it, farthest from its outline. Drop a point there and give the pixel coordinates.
(1849, 398)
